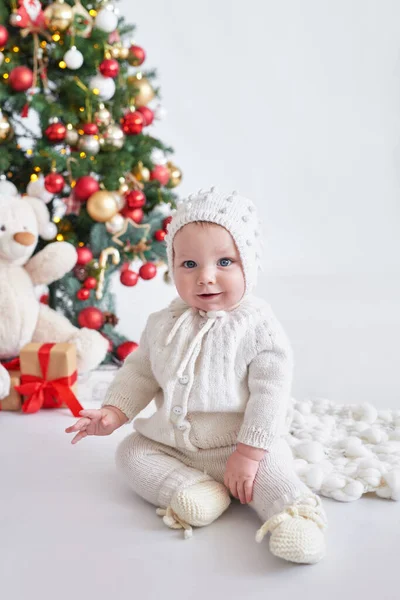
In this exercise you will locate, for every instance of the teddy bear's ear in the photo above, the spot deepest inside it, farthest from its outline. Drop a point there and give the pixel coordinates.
(41, 211)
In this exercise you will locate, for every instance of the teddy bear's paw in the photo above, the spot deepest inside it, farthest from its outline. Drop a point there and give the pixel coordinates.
(91, 348)
(4, 383)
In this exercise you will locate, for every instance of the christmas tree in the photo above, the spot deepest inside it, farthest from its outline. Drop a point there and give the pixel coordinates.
(107, 182)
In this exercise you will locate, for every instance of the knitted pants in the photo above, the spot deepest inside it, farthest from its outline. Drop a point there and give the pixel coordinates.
(155, 472)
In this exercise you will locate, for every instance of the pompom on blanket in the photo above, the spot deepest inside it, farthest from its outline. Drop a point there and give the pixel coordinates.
(345, 451)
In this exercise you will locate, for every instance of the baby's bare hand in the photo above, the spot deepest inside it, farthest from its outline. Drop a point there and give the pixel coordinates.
(101, 421)
(239, 477)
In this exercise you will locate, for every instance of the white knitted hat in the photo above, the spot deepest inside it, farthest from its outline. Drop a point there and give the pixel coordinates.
(234, 212)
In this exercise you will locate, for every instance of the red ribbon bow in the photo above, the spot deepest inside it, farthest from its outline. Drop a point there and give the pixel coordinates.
(11, 365)
(48, 394)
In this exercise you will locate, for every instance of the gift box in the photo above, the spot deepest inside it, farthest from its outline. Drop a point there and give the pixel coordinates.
(14, 400)
(48, 377)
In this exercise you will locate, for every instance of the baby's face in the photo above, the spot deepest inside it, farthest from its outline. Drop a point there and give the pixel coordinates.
(208, 271)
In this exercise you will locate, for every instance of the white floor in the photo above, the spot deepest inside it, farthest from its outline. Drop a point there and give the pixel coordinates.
(69, 528)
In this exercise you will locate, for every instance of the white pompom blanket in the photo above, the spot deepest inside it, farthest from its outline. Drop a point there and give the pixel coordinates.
(345, 451)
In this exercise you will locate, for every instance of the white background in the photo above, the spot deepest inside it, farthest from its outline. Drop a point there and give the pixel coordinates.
(297, 105)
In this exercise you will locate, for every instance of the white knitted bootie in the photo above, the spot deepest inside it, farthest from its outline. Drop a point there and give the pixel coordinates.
(297, 532)
(198, 505)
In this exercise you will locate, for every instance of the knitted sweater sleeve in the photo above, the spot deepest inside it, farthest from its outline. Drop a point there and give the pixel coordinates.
(135, 386)
(269, 380)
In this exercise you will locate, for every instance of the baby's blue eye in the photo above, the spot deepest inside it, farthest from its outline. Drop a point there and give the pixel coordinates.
(189, 264)
(225, 262)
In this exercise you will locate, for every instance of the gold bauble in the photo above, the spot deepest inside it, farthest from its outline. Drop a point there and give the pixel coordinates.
(142, 91)
(102, 206)
(124, 53)
(176, 175)
(141, 173)
(58, 16)
(115, 52)
(102, 116)
(6, 130)
(112, 138)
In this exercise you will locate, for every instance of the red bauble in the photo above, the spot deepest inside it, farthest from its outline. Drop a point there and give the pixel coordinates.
(160, 235)
(147, 113)
(90, 283)
(166, 222)
(136, 56)
(44, 298)
(3, 35)
(136, 214)
(109, 67)
(83, 294)
(21, 79)
(125, 349)
(132, 123)
(90, 129)
(129, 278)
(85, 255)
(148, 271)
(85, 187)
(135, 199)
(91, 317)
(161, 174)
(56, 132)
(54, 183)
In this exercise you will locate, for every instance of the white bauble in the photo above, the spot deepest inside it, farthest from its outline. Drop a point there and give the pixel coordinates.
(104, 85)
(158, 157)
(1, 58)
(7, 188)
(73, 58)
(49, 232)
(89, 144)
(119, 199)
(37, 190)
(115, 224)
(106, 20)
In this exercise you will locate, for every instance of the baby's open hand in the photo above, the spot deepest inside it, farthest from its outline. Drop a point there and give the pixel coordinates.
(241, 470)
(102, 421)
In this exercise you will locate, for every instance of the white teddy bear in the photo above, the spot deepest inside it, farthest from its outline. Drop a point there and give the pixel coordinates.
(23, 318)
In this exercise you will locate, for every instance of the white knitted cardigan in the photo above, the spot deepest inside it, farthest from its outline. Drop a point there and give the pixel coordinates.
(217, 378)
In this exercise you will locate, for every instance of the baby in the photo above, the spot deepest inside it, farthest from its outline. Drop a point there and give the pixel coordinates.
(219, 367)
